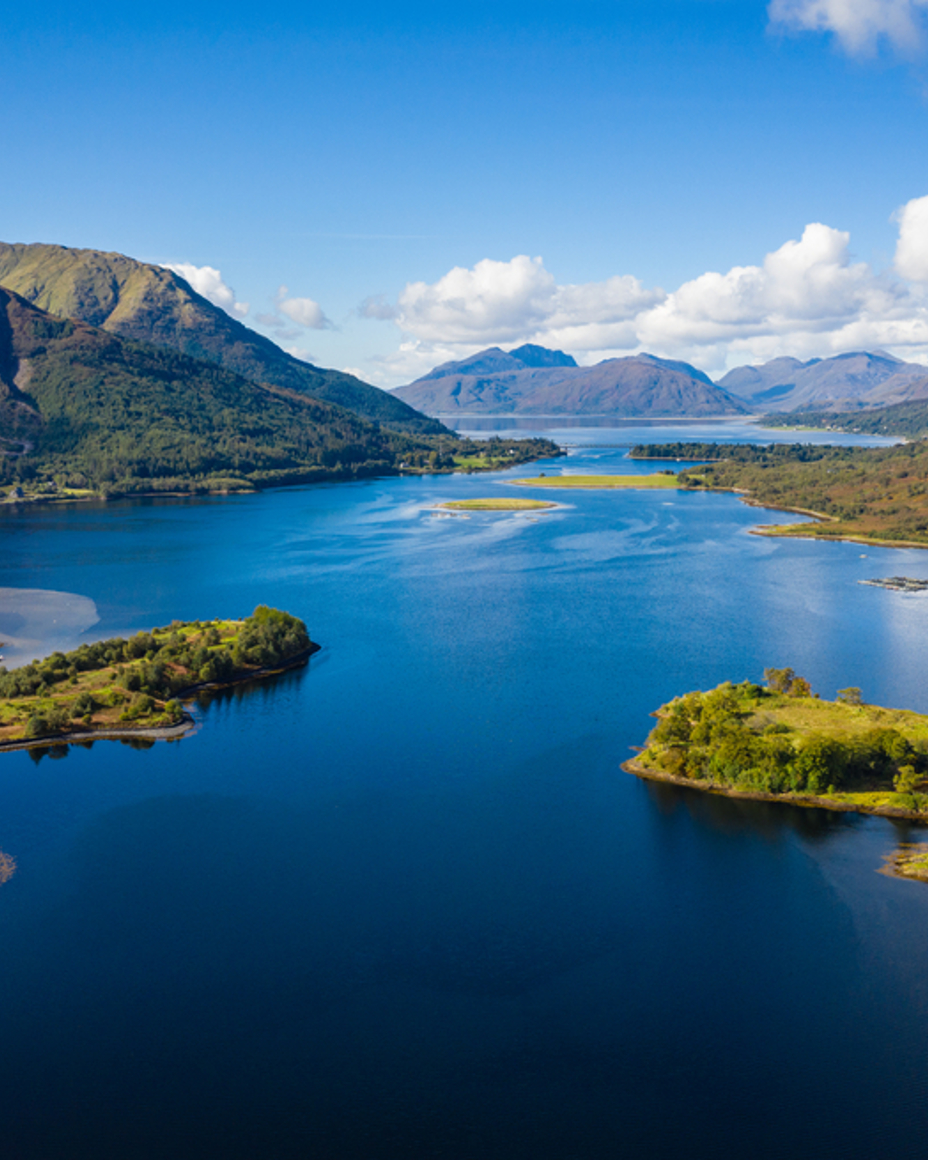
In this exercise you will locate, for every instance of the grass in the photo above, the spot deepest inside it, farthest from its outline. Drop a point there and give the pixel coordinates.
(497, 505)
(837, 719)
(659, 480)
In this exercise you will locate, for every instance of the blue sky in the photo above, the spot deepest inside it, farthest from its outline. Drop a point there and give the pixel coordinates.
(394, 186)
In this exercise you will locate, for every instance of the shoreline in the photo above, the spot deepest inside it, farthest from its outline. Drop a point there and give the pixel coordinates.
(806, 801)
(182, 728)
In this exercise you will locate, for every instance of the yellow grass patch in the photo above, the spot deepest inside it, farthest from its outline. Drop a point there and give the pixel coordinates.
(601, 481)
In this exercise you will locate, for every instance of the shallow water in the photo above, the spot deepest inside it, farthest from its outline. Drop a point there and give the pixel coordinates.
(404, 903)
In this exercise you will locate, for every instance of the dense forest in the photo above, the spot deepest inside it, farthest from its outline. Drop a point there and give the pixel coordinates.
(874, 493)
(908, 420)
(783, 739)
(82, 409)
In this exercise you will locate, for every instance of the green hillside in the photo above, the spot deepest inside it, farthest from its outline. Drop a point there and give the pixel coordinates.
(82, 409)
(149, 304)
(909, 420)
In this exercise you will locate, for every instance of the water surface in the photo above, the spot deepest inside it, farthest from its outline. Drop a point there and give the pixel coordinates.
(404, 903)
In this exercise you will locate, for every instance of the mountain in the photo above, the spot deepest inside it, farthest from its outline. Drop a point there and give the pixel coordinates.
(91, 409)
(147, 303)
(496, 382)
(847, 381)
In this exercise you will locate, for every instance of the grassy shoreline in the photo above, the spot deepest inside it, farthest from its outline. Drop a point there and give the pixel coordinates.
(785, 744)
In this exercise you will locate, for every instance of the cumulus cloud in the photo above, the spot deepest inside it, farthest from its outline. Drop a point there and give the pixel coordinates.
(912, 248)
(504, 301)
(807, 298)
(859, 25)
(207, 280)
(303, 311)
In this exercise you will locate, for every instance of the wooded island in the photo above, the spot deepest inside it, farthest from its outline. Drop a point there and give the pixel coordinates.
(122, 687)
(783, 742)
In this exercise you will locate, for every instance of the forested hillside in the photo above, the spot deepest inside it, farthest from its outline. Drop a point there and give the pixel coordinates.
(875, 493)
(84, 409)
(146, 303)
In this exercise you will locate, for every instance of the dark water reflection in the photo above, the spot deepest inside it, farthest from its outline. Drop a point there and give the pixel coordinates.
(404, 903)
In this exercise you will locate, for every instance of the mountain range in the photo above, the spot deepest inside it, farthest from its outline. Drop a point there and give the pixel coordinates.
(146, 303)
(532, 380)
(844, 382)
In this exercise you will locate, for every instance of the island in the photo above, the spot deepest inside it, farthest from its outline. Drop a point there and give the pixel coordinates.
(496, 504)
(783, 743)
(655, 479)
(898, 584)
(136, 688)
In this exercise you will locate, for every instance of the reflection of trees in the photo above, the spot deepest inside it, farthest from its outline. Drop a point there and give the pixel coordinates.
(7, 867)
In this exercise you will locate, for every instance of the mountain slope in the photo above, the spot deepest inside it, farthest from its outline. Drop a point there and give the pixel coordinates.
(493, 382)
(95, 410)
(858, 378)
(150, 304)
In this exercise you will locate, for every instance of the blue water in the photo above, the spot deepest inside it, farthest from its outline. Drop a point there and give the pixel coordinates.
(405, 903)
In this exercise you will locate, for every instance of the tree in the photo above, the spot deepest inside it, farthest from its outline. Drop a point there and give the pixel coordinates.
(850, 696)
(779, 680)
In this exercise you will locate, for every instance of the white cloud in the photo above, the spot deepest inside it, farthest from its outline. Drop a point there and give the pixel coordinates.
(912, 248)
(303, 311)
(807, 298)
(858, 24)
(207, 280)
(505, 301)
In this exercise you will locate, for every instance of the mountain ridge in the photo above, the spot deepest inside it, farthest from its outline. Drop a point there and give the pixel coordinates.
(496, 382)
(147, 303)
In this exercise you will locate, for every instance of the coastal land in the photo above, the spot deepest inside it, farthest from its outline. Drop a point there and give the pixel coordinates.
(135, 688)
(868, 495)
(784, 743)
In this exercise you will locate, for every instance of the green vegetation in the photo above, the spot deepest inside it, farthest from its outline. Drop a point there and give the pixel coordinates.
(659, 479)
(98, 415)
(907, 420)
(497, 505)
(150, 304)
(782, 741)
(874, 494)
(140, 682)
(910, 861)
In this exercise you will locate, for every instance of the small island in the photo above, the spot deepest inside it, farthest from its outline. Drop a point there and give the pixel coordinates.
(656, 479)
(784, 743)
(136, 687)
(496, 504)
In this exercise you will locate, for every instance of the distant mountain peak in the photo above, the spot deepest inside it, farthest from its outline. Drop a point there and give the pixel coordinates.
(541, 356)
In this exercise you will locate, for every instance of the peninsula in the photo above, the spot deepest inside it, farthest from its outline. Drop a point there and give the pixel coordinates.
(136, 687)
(784, 743)
(870, 495)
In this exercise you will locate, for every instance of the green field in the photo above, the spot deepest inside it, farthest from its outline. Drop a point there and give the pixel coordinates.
(497, 505)
(785, 742)
(661, 480)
